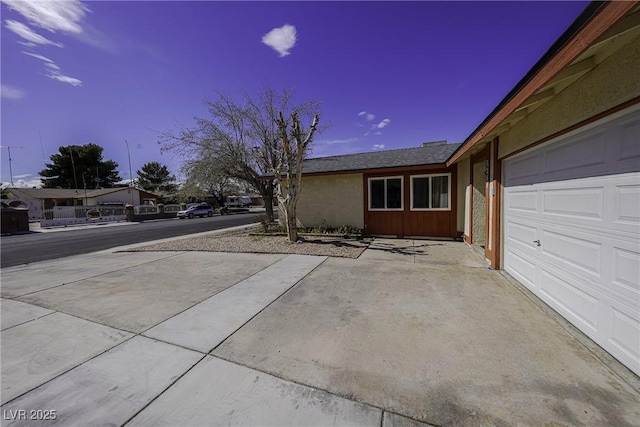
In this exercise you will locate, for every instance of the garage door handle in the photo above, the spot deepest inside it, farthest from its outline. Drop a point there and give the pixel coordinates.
(537, 242)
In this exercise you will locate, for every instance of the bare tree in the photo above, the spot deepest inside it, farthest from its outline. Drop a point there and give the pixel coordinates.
(205, 179)
(288, 169)
(240, 138)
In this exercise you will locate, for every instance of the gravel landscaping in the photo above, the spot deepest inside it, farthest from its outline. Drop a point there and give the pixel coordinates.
(249, 241)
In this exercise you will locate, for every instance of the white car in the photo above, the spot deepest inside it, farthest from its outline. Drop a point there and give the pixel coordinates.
(200, 210)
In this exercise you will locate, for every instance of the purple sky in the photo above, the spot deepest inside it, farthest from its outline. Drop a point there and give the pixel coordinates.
(389, 74)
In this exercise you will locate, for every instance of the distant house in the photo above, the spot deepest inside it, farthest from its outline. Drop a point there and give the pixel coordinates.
(40, 199)
(548, 185)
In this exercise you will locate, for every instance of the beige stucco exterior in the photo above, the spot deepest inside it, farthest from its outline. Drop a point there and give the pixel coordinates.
(335, 199)
(478, 217)
(463, 183)
(608, 85)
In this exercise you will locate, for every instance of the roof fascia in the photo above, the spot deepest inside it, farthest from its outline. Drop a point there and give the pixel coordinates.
(592, 23)
(396, 169)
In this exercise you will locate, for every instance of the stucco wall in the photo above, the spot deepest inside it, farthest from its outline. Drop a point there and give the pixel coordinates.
(336, 199)
(464, 180)
(611, 83)
(479, 203)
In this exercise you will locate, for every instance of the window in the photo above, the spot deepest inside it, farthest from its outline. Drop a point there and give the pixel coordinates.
(430, 192)
(385, 193)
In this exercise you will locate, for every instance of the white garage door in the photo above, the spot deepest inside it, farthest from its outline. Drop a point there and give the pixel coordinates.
(572, 230)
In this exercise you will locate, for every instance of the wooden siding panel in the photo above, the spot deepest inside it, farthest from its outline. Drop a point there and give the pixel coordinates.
(408, 222)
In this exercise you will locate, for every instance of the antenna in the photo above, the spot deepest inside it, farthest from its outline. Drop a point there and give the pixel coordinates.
(10, 169)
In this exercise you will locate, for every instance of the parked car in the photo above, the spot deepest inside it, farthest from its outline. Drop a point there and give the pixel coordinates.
(200, 210)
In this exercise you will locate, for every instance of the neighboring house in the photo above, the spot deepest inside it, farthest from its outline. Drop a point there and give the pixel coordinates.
(40, 199)
(548, 184)
(398, 192)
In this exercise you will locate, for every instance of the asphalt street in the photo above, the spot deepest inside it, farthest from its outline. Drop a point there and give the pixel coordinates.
(40, 246)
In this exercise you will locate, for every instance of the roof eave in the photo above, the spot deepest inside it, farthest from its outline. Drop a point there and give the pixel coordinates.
(592, 23)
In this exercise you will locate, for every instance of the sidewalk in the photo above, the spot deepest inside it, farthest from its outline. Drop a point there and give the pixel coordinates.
(410, 333)
(35, 227)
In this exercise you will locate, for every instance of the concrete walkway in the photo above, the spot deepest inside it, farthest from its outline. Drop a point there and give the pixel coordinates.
(412, 332)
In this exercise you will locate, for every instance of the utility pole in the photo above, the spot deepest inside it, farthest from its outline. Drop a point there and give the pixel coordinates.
(73, 165)
(129, 156)
(84, 183)
(44, 164)
(10, 169)
(130, 174)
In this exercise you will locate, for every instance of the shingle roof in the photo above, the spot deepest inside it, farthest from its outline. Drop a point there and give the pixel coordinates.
(61, 193)
(427, 154)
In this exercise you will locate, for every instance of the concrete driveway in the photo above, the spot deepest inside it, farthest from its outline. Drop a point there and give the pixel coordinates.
(412, 331)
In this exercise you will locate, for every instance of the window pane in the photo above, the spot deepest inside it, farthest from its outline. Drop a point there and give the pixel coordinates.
(394, 193)
(420, 193)
(377, 194)
(440, 192)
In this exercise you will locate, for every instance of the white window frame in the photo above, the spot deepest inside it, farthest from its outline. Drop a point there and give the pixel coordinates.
(385, 178)
(435, 175)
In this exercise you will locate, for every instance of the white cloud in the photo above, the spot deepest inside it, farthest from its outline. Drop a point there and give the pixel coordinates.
(51, 15)
(375, 128)
(27, 44)
(35, 55)
(11, 92)
(281, 39)
(384, 123)
(54, 71)
(339, 141)
(21, 183)
(376, 147)
(28, 34)
(368, 116)
(64, 79)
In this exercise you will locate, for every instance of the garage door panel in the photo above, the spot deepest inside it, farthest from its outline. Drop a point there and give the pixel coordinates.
(583, 205)
(626, 274)
(522, 234)
(574, 203)
(627, 205)
(583, 254)
(574, 300)
(630, 139)
(520, 268)
(625, 333)
(566, 160)
(525, 201)
(524, 168)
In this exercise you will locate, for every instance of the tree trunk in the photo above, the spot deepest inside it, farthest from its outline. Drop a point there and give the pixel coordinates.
(292, 223)
(268, 206)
